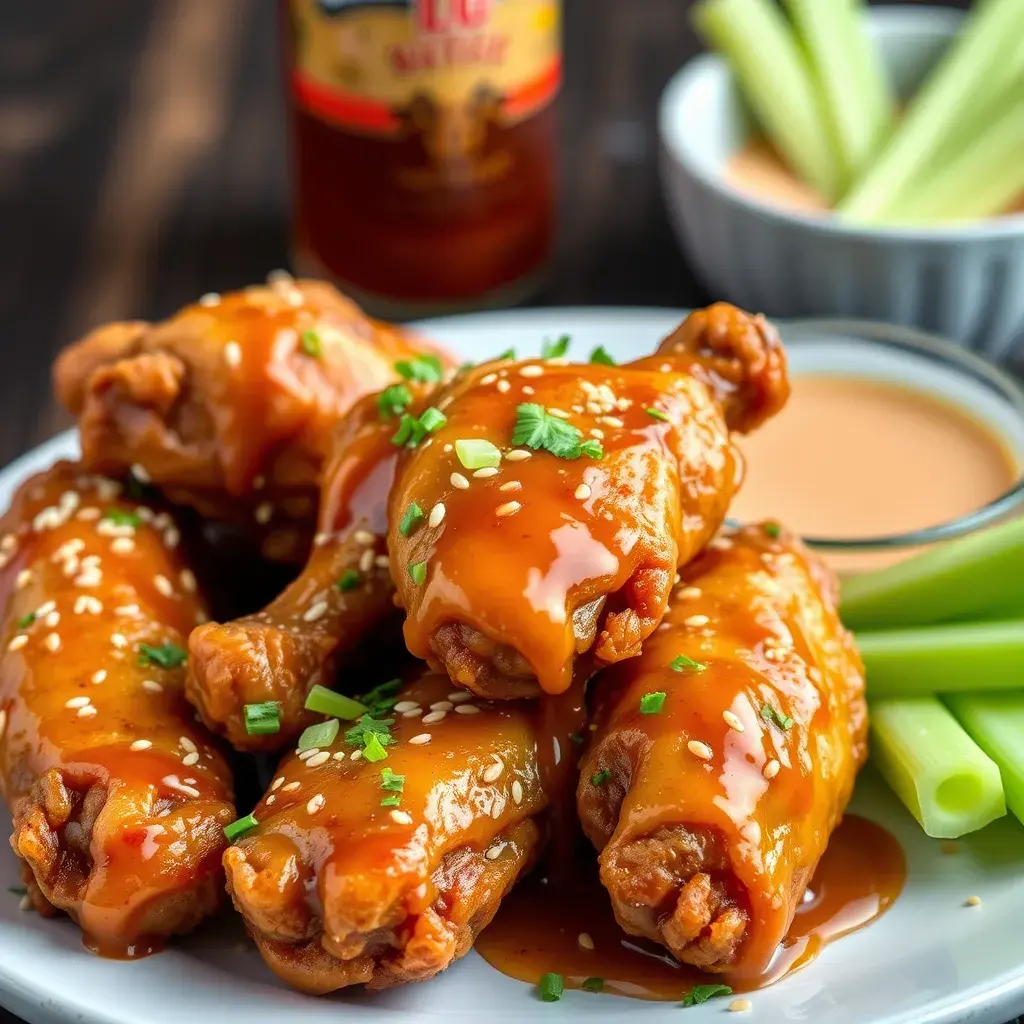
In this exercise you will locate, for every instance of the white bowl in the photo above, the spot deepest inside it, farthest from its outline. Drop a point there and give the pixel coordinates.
(965, 281)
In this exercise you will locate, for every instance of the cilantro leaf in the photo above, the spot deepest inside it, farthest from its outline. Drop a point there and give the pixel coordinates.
(555, 349)
(368, 728)
(652, 703)
(702, 993)
(601, 357)
(538, 429)
(681, 663)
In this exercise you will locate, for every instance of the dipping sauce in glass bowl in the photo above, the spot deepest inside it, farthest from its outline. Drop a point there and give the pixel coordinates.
(891, 440)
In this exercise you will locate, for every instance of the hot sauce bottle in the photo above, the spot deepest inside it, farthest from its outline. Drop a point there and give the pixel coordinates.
(424, 148)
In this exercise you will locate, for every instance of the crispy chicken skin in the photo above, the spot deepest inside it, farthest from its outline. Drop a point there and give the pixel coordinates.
(343, 884)
(548, 559)
(118, 799)
(345, 590)
(229, 405)
(712, 812)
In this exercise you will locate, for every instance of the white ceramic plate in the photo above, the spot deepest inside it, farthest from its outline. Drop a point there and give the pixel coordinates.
(931, 959)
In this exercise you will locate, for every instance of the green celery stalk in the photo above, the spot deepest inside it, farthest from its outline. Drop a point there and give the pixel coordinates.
(853, 88)
(976, 577)
(995, 721)
(775, 79)
(944, 659)
(949, 784)
(982, 180)
(987, 46)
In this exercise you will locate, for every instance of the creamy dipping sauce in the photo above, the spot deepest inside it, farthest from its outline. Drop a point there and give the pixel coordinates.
(855, 457)
(757, 170)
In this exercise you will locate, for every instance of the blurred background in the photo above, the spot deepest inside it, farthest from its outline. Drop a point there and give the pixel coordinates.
(144, 161)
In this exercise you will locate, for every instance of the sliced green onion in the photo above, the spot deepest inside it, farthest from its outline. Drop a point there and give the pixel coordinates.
(349, 581)
(262, 719)
(551, 987)
(311, 344)
(681, 663)
(657, 414)
(412, 518)
(592, 984)
(942, 776)
(321, 735)
(773, 530)
(393, 400)
(121, 517)
(166, 655)
(237, 829)
(601, 777)
(652, 703)
(478, 453)
(373, 749)
(337, 705)
(418, 573)
(392, 800)
(26, 620)
(432, 419)
(426, 368)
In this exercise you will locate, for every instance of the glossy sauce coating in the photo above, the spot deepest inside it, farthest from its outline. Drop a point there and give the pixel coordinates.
(569, 928)
(712, 812)
(339, 890)
(229, 405)
(536, 562)
(118, 799)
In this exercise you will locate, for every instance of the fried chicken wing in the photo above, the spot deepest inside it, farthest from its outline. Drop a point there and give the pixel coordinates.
(118, 799)
(722, 758)
(345, 590)
(228, 406)
(586, 487)
(382, 872)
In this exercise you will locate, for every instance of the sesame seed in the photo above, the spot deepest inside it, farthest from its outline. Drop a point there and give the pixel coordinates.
(502, 386)
(264, 513)
(510, 508)
(518, 455)
(720, 544)
(141, 745)
(45, 608)
(732, 720)
(290, 787)
(583, 492)
(512, 485)
(493, 852)
(48, 519)
(493, 772)
(401, 817)
(442, 705)
(517, 792)
(171, 538)
(52, 642)
(584, 941)
(87, 515)
(188, 580)
(486, 473)
(434, 716)
(315, 803)
(91, 562)
(356, 755)
(489, 378)
(413, 712)
(209, 299)
(89, 577)
(152, 686)
(52, 620)
(17, 642)
(232, 353)
(382, 562)
(9, 542)
(459, 482)
(406, 705)
(418, 741)
(698, 749)
(129, 611)
(140, 473)
(740, 1006)
(190, 759)
(23, 579)
(118, 640)
(467, 709)
(88, 604)
(447, 448)
(77, 702)
(597, 432)
(338, 755)
(174, 782)
(314, 612)
(163, 585)
(277, 784)
(364, 538)
(696, 620)
(771, 769)
(689, 593)
(460, 696)
(305, 755)
(270, 799)
(437, 514)
(187, 744)
(366, 560)
(318, 759)
(531, 371)
(25, 904)
(973, 901)
(559, 413)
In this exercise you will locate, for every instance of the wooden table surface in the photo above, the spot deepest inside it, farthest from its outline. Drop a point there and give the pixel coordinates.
(143, 162)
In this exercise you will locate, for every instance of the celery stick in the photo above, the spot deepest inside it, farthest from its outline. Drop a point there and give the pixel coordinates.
(995, 721)
(942, 776)
(943, 659)
(982, 180)
(987, 46)
(848, 70)
(776, 82)
(976, 577)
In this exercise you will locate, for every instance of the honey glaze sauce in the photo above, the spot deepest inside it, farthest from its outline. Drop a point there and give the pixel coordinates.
(569, 928)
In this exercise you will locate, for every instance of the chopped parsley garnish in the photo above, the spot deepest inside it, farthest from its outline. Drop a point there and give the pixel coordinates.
(311, 344)
(414, 515)
(772, 529)
(425, 368)
(555, 349)
(412, 429)
(26, 620)
(601, 777)
(652, 703)
(349, 581)
(477, 453)
(783, 721)
(418, 573)
(318, 736)
(551, 987)
(337, 705)
(656, 414)
(391, 781)
(237, 829)
(373, 749)
(681, 663)
(702, 993)
(166, 655)
(368, 728)
(601, 357)
(509, 353)
(393, 401)
(262, 719)
(593, 984)
(538, 429)
(120, 517)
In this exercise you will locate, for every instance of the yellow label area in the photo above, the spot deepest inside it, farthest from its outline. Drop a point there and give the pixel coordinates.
(363, 62)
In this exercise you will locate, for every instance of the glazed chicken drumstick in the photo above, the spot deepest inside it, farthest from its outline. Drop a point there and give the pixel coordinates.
(724, 755)
(119, 801)
(229, 405)
(541, 521)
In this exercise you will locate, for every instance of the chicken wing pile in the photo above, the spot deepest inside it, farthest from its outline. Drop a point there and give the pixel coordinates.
(585, 643)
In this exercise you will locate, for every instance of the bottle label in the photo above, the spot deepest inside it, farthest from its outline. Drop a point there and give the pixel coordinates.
(441, 69)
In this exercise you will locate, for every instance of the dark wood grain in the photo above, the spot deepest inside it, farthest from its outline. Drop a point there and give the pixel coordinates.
(143, 161)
